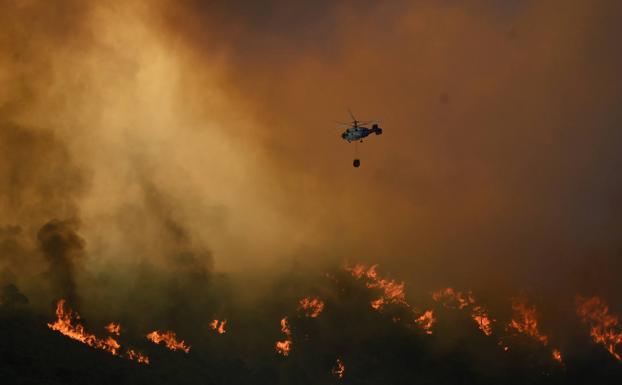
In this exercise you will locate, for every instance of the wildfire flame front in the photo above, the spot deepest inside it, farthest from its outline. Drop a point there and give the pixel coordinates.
(170, 340)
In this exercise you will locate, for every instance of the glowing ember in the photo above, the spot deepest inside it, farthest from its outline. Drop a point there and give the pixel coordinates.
(453, 299)
(377, 304)
(285, 327)
(339, 369)
(484, 323)
(557, 355)
(133, 355)
(114, 328)
(605, 328)
(170, 340)
(525, 320)
(219, 326)
(65, 325)
(284, 347)
(312, 307)
(426, 321)
(357, 270)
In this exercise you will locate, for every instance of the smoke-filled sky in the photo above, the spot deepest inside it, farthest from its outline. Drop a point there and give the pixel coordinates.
(209, 125)
(199, 136)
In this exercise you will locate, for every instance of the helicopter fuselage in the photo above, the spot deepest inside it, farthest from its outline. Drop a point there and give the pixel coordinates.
(356, 133)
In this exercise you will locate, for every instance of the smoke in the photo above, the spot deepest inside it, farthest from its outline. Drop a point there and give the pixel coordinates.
(40, 182)
(497, 155)
(64, 250)
(11, 296)
(39, 177)
(172, 163)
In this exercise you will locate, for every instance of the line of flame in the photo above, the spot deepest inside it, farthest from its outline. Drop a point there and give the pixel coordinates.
(170, 340)
(67, 323)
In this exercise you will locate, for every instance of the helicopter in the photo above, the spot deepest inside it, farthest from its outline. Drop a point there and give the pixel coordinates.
(356, 132)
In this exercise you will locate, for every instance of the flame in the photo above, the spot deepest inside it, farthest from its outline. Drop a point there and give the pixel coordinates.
(170, 340)
(453, 299)
(484, 322)
(114, 328)
(219, 326)
(426, 321)
(392, 291)
(377, 304)
(312, 307)
(284, 347)
(357, 270)
(133, 355)
(339, 369)
(605, 327)
(65, 325)
(526, 321)
(557, 355)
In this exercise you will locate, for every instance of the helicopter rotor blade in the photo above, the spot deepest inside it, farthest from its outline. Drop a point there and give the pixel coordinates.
(351, 115)
(343, 123)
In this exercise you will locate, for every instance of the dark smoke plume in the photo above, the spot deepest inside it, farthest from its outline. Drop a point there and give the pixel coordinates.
(192, 138)
(39, 181)
(63, 248)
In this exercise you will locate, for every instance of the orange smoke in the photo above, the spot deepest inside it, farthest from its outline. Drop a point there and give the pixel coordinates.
(525, 320)
(605, 328)
(65, 325)
(284, 347)
(170, 340)
(426, 321)
(339, 369)
(312, 307)
(219, 326)
(114, 328)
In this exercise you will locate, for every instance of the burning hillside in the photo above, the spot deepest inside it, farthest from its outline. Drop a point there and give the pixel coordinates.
(339, 334)
(176, 205)
(68, 324)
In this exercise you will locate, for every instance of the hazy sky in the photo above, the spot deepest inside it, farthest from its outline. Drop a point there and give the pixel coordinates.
(207, 127)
